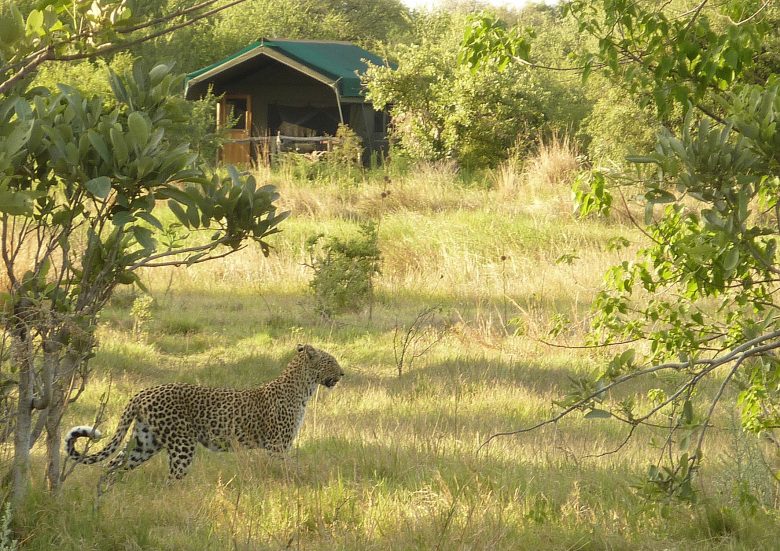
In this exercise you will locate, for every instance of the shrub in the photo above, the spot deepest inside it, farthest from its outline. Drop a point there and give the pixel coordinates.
(348, 151)
(344, 270)
(141, 313)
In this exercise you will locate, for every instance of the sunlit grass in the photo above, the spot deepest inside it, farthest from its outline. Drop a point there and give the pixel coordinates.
(389, 461)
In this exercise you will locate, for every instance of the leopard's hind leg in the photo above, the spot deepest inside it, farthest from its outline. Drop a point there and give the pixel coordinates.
(144, 445)
(180, 440)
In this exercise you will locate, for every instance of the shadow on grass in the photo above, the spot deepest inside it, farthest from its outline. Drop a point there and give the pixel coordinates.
(240, 314)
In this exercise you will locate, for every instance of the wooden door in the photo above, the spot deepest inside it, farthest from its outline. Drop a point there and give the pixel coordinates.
(234, 113)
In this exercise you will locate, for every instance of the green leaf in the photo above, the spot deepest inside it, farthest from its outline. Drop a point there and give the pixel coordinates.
(151, 219)
(99, 187)
(139, 129)
(158, 72)
(118, 87)
(657, 195)
(99, 144)
(178, 211)
(35, 23)
(15, 203)
(731, 260)
(11, 25)
(627, 357)
(127, 277)
(17, 139)
(144, 237)
(144, 166)
(193, 215)
(122, 218)
(598, 414)
(687, 413)
(120, 145)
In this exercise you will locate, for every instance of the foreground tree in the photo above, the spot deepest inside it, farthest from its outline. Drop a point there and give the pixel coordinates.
(81, 186)
(700, 299)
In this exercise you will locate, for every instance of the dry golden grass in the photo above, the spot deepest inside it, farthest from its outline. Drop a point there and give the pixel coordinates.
(389, 461)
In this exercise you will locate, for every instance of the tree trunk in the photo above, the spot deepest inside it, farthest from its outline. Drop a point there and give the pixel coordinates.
(64, 368)
(20, 473)
(51, 400)
(53, 442)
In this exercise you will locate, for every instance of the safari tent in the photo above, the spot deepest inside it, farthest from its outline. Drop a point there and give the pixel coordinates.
(290, 94)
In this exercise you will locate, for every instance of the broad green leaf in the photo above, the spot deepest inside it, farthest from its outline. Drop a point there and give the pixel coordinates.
(118, 87)
(126, 277)
(99, 187)
(731, 260)
(17, 139)
(11, 25)
(15, 203)
(139, 129)
(657, 195)
(144, 237)
(122, 218)
(35, 23)
(628, 356)
(687, 413)
(178, 211)
(120, 145)
(150, 218)
(158, 73)
(193, 214)
(144, 166)
(99, 144)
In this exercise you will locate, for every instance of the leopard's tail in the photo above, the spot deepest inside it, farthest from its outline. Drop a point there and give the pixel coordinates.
(92, 433)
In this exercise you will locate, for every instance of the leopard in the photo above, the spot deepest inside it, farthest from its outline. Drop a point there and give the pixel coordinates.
(177, 417)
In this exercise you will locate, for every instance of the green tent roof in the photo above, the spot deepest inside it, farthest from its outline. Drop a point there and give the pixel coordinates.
(335, 63)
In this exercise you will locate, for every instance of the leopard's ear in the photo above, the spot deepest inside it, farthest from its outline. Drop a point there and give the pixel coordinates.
(309, 349)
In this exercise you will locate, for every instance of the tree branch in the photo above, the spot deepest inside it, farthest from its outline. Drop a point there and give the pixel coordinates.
(748, 349)
(111, 48)
(146, 262)
(32, 62)
(187, 262)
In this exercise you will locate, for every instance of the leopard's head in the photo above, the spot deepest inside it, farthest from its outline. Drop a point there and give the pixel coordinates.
(323, 366)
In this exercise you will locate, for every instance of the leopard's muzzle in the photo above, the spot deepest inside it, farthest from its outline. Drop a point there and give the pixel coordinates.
(330, 382)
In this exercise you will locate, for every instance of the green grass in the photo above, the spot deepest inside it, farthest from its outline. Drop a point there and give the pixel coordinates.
(387, 461)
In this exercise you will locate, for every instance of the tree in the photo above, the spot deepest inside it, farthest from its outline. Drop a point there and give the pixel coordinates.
(85, 29)
(369, 24)
(81, 180)
(441, 109)
(699, 299)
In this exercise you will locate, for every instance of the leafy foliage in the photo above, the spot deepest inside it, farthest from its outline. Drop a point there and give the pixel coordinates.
(442, 109)
(701, 294)
(617, 126)
(344, 271)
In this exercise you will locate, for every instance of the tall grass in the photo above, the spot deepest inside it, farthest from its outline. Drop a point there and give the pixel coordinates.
(386, 461)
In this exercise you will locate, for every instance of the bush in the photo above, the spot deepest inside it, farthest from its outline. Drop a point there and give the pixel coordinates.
(442, 109)
(344, 270)
(348, 151)
(618, 127)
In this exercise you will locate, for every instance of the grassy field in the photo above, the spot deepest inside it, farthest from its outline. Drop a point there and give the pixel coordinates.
(388, 460)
